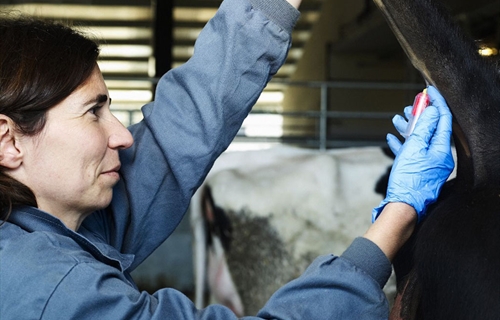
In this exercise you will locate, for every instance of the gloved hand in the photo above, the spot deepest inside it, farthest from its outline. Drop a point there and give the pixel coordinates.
(424, 162)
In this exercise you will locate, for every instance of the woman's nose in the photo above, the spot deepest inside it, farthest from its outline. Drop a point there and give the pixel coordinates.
(119, 136)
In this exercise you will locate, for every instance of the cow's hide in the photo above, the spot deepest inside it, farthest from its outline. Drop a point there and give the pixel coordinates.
(449, 269)
(286, 206)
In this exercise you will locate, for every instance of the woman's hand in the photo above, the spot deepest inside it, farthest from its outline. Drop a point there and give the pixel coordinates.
(424, 161)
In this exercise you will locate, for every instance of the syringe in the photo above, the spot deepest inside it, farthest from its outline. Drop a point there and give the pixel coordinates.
(421, 102)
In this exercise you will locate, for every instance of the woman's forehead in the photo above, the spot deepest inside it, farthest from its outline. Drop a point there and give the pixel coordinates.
(94, 89)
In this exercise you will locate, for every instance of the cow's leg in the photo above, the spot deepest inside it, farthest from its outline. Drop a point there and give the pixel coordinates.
(218, 231)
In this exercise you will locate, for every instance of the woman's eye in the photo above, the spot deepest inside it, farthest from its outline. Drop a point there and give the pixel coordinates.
(95, 110)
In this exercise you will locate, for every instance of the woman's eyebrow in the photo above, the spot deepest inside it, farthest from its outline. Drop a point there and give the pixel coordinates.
(100, 98)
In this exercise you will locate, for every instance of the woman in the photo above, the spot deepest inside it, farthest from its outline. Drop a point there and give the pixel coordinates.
(85, 201)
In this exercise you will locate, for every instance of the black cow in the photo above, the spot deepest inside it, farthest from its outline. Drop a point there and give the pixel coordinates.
(451, 267)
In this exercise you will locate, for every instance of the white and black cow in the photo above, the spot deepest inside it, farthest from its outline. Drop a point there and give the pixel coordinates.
(261, 217)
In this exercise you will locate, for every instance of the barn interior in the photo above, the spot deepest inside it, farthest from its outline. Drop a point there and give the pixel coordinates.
(345, 77)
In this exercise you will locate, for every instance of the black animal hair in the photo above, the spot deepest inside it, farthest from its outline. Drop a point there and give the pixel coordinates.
(449, 269)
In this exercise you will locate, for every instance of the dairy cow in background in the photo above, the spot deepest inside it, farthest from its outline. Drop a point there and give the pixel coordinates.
(270, 213)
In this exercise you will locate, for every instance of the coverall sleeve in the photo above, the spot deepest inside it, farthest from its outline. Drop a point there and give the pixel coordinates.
(345, 287)
(198, 109)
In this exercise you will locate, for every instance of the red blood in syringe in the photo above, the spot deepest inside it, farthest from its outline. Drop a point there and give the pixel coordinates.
(421, 102)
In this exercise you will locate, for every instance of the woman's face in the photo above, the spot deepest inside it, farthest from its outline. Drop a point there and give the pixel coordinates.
(72, 165)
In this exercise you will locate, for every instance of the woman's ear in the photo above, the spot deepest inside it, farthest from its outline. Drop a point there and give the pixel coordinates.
(11, 156)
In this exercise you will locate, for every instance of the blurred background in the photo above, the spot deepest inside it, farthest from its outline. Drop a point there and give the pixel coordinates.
(344, 79)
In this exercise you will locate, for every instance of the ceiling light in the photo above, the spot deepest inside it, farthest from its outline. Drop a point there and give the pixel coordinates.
(488, 51)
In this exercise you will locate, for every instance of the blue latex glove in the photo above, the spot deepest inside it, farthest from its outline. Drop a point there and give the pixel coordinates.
(400, 123)
(424, 162)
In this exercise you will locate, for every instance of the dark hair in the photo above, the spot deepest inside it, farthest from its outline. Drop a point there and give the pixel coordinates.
(41, 63)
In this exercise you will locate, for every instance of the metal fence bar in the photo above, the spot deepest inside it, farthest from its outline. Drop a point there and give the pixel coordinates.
(323, 114)
(323, 120)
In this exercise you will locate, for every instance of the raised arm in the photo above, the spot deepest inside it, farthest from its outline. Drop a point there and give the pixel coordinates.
(198, 109)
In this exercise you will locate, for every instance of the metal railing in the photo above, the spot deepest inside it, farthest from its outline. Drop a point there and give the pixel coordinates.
(320, 138)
